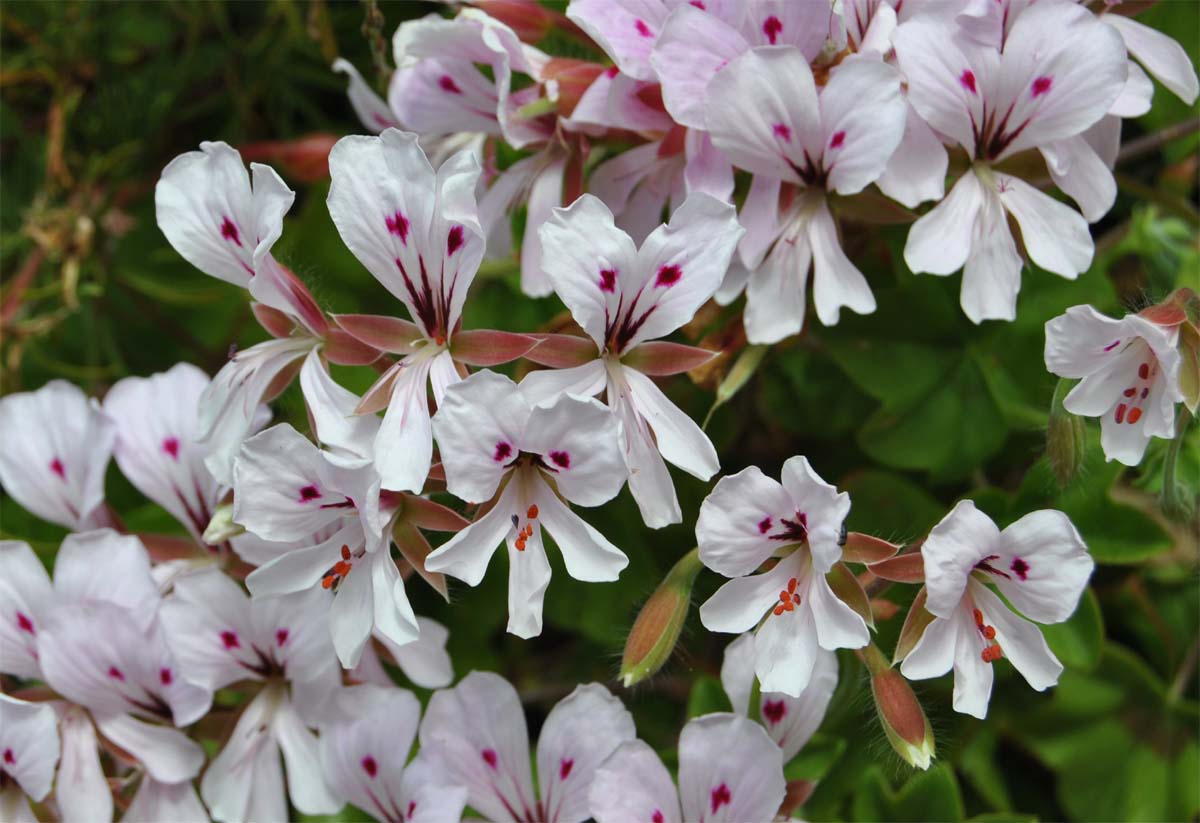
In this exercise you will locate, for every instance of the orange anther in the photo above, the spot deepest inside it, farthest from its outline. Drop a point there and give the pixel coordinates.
(529, 530)
(999, 652)
(779, 610)
(785, 597)
(1134, 415)
(978, 618)
(327, 582)
(345, 552)
(533, 512)
(521, 543)
(789, 606)
(792, 585)
(989, 632)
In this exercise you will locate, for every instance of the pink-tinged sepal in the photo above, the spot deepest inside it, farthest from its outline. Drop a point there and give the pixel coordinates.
(1164, 314)
(276, 286)
(425, 514)
(659, 358)
(562, 351)
(343, 348)
(414, 548)
(305, 159)
(863, 548)
(388, 334)
(906, 568)
(275, 322)
(484, 347)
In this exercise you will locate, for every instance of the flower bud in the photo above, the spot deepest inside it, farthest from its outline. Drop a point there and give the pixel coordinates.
(221, 527)
(656, 630)
(1066, 438)
(904, 722)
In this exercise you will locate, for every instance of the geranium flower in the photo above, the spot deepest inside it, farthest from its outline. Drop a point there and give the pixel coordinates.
(729, 771)
(623, 298)
(28, 755)
(364, 755)
(475, 735)
(1039, 563)
(1059, 72)
(790, 721)
(223, 637)
(497, 447)
(54, 448)
(1128, 371)
(748, 519)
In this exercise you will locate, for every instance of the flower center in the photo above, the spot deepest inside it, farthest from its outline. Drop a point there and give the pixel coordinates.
(991, 649)
(526, 531)
(336, 573)
(1130, 410)
(788, 599)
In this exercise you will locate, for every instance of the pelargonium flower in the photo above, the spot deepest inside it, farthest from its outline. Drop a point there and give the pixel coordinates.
(749, 519)
(766, 115)
(1129, 373)
(1059, 72)
(475, 734)
(729, 771)
(29, 742)
(364, 756)
(1041, 566)
(54, 449)
(623, 298)
(496, 446)
(790, 721)
(222, 637)
(225, 227)
(417, 231)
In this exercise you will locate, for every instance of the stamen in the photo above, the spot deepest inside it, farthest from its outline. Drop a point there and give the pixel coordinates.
(1134, 414)
(532, 512)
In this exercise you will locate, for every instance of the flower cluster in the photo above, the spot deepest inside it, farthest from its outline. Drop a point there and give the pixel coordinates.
(754, 126)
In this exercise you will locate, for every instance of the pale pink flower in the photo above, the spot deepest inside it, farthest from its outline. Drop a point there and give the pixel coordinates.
(28, 756)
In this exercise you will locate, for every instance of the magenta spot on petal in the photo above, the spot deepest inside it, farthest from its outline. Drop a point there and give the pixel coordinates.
(1144, 371)
(1020, 568)
(608, 280)
(967, 79)
(171, 447)
(668, 276)
(771, 28)
(561, 459)
(764, 525)
(782, 131)
(489, 757)
(308, 493)
(611, 71)
(230, 232)
(412, 807)
(24, 623)
(58, 468)
(699, 4)
(774, 710)
(503, 451)
(1112, 345)
(446, 82)
(642, 28)
(720, 797)
(564, 768)
(230, 640)
(1040, 86)
(8, 757)
(370, 766)
(454, 240)
(839, 137)
(281, 636)
(164, 677)
(397, 224)
(115, 673)
(657, 818)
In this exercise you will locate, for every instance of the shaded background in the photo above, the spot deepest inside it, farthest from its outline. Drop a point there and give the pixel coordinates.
(909, 409)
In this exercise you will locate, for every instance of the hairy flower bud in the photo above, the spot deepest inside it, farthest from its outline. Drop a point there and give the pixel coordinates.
(1066, 438)
(903, 720)
(221, 527)
(656, 630)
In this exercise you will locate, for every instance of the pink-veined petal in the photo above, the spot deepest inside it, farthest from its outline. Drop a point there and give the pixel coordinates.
(480, 430)
(633, 784)
(824, 507)
(1022, 641)
(372, 110)
(1047, 564)
(837, 282)
(26, 600)
(862, 115)
(1162, 55)
(729, 770)
(1055, 235)
(963, 538)
(776, 289)
(625, 29)
(467, 554)
(693, 47)
(679, 439)
(738, 522)
(578, 440)
(29, 739)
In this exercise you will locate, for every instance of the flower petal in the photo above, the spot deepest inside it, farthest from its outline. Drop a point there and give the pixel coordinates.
(729, 770)
(1048, 566)
(633, 784)
(404, 442)
(963, 538)
(167, 754)
(588, 554)
(307, 788)
(1022, 641)
(1055, 235)
(176, 802)
(26, 600)
(693, 47)
(424, 661)
(775, 292)
(824, 507)
(992, 274)
(578, 439)
(1078, 170)
(940, 242)
(480, 430)
(1080, 341)
(625, 29)
(372, 110)
(679, 439)
(837, 282)
(544, 386)
(81, 789)
(737, 519)
(1162, 55)
(862, 115)
(466, 555)
(30, 739)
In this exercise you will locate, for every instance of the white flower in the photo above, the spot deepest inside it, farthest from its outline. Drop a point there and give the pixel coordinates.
(222, 637)
(790, 721)
(494, 443)
(746, 520)
(1128, 372)
(623, 297)
(364, 755)
(1059, 72)
(28, 754)
(730, 771)
(1039, 563)
(54, 448)
(475, 734)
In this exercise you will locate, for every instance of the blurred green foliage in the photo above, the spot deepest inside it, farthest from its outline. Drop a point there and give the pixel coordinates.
(908, 409)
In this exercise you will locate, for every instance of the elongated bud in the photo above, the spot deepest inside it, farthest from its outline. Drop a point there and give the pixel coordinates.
(1066, 438)
(221, 527)
(903, 720)
(654, 634)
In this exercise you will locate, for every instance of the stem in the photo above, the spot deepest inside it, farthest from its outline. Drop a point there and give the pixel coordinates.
(1172, 502)
(1152, 142)
(1184, 676)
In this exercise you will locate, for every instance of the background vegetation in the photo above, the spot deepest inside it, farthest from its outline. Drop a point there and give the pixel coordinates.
(909, 408)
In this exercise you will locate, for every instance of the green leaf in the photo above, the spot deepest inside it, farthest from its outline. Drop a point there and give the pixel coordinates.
(707, 696)
(928, 796)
